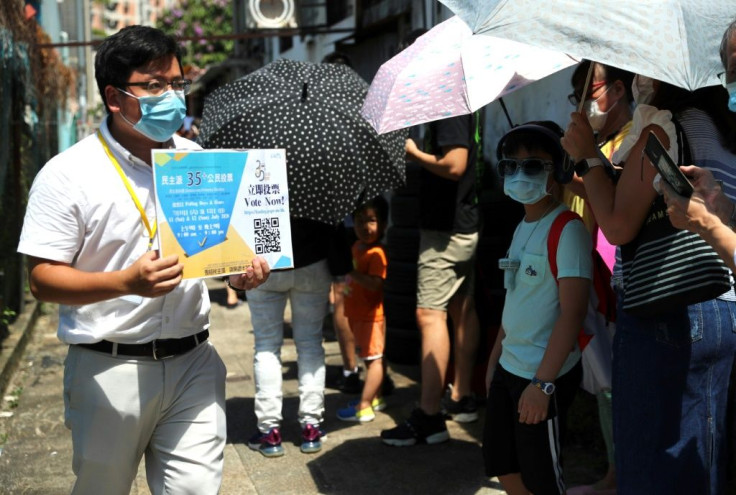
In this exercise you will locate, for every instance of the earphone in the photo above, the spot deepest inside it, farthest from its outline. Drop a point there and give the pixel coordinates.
(564, 167)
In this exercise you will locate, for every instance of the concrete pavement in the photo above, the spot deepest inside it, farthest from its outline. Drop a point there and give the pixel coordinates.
(35, 455)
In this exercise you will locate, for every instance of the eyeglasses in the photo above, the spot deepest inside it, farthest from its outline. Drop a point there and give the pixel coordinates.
(156, 87)
(530, 166)
(574, 98)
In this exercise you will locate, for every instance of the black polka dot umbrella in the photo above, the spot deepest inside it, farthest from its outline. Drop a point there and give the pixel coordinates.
(335, 159)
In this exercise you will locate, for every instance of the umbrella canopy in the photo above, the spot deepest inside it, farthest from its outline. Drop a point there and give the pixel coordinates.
(671, 40)
(448, 72)
(335, 159)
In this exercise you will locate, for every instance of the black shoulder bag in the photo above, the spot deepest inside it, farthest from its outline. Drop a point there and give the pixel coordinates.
(666, 268)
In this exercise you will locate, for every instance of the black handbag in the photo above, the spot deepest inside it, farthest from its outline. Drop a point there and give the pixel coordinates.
(666, 268)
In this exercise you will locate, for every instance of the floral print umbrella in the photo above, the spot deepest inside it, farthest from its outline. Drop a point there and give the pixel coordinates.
(448, 72)
(335, 159)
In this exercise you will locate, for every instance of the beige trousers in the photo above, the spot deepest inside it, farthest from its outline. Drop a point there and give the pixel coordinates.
(172, 411)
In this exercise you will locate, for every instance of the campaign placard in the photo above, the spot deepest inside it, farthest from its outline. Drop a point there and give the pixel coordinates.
(218, 209)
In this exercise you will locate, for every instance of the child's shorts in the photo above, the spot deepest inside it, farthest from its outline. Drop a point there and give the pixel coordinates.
(370, 337)
(532, 450)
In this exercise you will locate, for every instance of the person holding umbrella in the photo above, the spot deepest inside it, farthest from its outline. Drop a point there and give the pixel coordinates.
(140, 377)
(710, 211)
(670, 368)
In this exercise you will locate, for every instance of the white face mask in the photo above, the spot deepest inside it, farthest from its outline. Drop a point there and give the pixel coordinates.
(642, 87)
(596, 117)
(526, 189)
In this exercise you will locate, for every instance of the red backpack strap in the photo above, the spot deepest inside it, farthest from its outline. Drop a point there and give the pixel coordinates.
(553, 241)
(553, 238)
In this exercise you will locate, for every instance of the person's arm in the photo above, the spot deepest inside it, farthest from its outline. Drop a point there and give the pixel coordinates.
(620, 209)
(451, 165)
(372, 278)
(710, 192)
(370, 282)
(58, 282)
(693, 214)
(573, 293)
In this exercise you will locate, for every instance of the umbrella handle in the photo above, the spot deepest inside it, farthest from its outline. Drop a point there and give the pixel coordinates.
(567, 160)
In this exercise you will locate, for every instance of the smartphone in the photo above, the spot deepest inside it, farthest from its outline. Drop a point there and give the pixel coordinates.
(668, 169)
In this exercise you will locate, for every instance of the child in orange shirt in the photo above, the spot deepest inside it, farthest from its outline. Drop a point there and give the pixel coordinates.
(364, 306)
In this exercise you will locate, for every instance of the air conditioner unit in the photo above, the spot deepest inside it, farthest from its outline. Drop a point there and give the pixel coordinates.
(271, 14)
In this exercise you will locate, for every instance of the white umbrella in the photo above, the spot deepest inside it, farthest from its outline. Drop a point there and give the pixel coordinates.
(671, 40)
(449, 72)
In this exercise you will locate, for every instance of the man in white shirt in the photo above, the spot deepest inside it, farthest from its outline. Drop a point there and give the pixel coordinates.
(140, 377)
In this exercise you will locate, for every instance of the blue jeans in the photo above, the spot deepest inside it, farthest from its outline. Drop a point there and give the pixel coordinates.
(307, 290)
(670, 396)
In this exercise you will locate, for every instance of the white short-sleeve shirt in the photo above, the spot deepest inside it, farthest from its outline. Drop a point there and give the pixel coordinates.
(532, 304)
(79, 212)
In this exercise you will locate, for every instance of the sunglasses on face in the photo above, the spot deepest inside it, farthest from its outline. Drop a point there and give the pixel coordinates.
(530, 166)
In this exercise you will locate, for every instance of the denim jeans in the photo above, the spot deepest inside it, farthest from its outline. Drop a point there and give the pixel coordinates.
(670, 397)
(307, 289)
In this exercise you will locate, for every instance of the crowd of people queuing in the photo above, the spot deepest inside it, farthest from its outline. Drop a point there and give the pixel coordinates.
(127, 314)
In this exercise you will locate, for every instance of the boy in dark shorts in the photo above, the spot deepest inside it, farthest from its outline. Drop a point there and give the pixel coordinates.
(534, 370)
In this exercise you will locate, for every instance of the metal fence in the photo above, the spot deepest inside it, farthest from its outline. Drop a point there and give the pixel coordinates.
(28, 138)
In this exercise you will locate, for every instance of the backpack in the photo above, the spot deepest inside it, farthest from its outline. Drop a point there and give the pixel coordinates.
(595, 338)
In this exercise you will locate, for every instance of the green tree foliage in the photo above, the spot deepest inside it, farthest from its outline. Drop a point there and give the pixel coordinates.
(203, 19)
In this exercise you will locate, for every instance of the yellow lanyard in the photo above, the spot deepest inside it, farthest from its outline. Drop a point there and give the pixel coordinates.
(134, 197)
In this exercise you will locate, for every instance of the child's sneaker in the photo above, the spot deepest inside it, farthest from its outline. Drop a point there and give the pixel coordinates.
(378, 404)
(464, 410)
(353, 414)
(268, 444)
(420, 427)
(311, 439)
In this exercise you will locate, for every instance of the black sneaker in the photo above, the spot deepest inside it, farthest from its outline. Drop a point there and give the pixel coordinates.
(464, 410)
(419, 428)
(352, 384)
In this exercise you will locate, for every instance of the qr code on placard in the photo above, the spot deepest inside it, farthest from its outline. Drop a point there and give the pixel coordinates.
(267, 235)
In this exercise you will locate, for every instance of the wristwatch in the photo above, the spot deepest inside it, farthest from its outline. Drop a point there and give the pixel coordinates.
(547, 387)
(583, 166)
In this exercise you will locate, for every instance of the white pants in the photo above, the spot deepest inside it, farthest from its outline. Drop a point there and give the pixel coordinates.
(172, 410)
(308, 290)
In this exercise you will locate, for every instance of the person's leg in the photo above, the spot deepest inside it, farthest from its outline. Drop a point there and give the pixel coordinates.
(232, 296)
(111, 407)
(342, 328)
(513, 485)
(462, 311)
(435, 357)
(678, 363)
(373, 380)
(466, 336)
(309, 298)
(185, 454)
(267, 304)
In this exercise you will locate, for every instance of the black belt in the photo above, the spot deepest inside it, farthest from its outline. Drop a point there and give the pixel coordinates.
(157, 349)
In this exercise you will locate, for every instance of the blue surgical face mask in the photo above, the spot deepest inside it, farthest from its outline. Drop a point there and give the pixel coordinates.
(526, 189)
(161, 116)
(731, 88)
